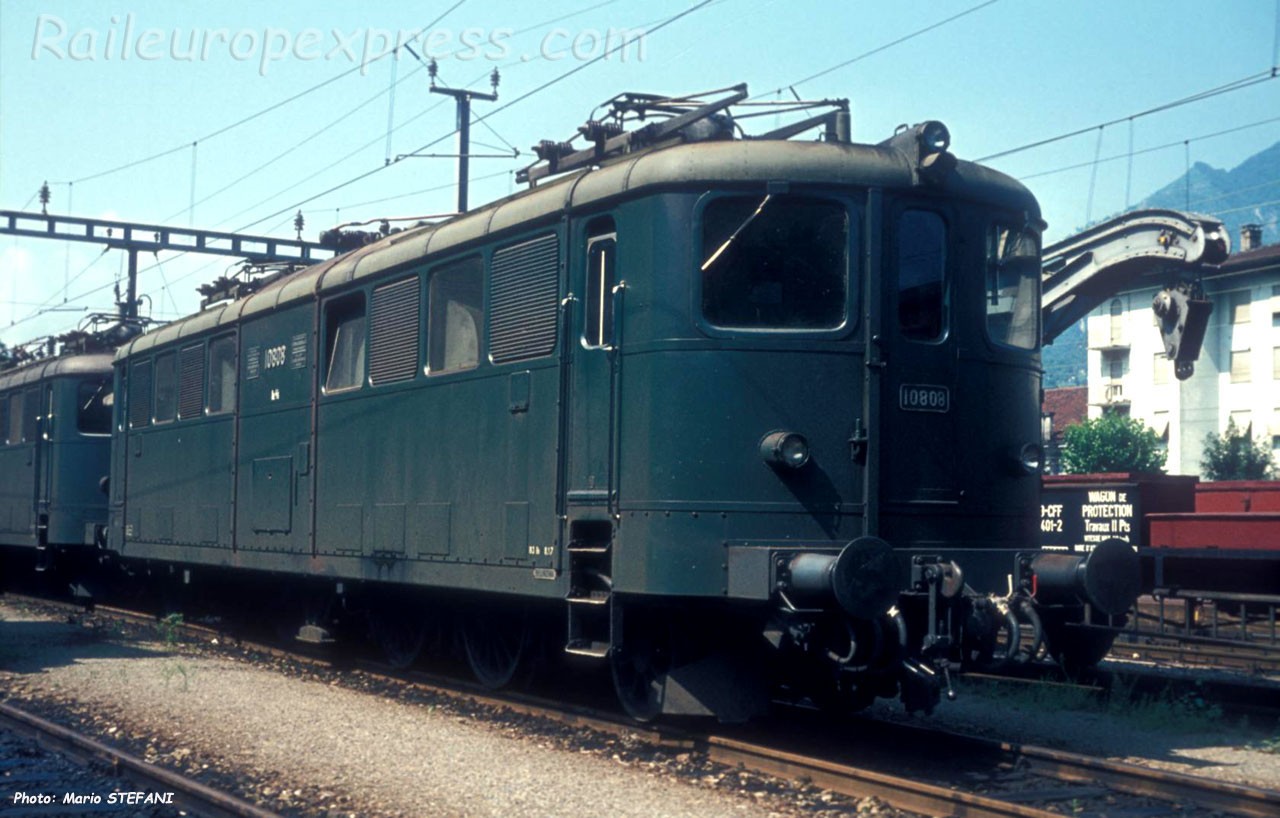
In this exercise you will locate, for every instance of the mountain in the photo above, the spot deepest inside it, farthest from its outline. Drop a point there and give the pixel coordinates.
(1064, 359)
(1246, 194)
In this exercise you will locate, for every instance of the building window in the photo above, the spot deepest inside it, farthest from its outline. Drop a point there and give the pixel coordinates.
(1241, 371)
(1117, 322)
(1114, 364)
(1240, 307)
(1243, 423)
(1160, 368)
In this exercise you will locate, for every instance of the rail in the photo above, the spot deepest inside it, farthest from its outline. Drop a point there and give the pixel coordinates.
(193, 795)
(1066, 776)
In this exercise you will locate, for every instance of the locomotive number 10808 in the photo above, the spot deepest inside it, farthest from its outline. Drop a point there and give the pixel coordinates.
(917, 397)
(273, 357)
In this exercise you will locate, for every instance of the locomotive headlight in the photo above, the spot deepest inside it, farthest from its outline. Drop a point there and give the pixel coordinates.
(934, 137)
(785, 449)
(1031, 458)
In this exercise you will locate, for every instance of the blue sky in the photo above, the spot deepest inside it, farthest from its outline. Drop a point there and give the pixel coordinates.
(1006, 74)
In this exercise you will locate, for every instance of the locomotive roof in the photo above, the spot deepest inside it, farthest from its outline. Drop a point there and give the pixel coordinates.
(722, 163)
(90, 363)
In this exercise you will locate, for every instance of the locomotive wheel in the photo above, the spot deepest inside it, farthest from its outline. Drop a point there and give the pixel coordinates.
(401, 634)
(639, 668)
(496, 644)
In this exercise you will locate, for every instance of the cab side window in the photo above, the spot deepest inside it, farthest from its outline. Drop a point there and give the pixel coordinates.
(93, 407)
(602, 276)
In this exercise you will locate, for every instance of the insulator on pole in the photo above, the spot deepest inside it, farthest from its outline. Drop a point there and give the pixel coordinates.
(44, 198)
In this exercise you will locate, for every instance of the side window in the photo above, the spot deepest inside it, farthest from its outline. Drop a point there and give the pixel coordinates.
(166, 387)
(922, 265)
(393, 334)
(139, 394)
(455, 306)
(93, 407)
(4, 419)
(191, 382)
(344, 342)
(1013, 287)
(14, 426)
(602, 275)
(30, 415)
(222, 375)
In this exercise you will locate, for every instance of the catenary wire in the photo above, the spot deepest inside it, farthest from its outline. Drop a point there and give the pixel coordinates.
(270, 108)
(1234, 85)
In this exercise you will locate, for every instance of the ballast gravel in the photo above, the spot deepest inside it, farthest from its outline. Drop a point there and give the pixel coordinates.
(320, 744)
(316, 747)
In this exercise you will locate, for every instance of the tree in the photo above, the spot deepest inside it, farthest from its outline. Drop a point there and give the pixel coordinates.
(1111, 443)
(1235, 455)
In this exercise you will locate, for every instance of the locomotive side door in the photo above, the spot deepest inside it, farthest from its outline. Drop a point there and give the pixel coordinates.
(917, 429)
(44, 457)
(591, 486)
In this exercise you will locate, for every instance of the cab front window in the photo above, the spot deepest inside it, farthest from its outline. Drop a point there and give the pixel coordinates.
(775, 262)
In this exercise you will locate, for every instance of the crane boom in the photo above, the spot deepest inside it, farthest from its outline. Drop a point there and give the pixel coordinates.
(1083, 271)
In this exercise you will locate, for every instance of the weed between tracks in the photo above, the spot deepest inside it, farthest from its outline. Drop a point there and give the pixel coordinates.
(1170, 710)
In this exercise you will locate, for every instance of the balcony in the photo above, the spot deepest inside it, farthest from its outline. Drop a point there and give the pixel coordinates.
(1113, 395)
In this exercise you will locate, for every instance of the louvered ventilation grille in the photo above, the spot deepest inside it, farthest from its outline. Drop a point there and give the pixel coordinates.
(191, 382)
(522, 316)
(393, 346)
(140, 394)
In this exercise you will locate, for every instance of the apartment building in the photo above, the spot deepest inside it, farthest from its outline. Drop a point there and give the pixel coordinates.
(1238, 373)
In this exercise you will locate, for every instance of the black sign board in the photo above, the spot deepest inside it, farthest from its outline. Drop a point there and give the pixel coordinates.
(1077, 518)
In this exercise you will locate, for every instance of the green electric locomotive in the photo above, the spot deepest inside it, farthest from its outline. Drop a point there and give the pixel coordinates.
(55, 440)
(733, 415)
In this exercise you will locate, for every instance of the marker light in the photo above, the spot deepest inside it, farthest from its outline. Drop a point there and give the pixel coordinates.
(785, 449)
(1031, 458)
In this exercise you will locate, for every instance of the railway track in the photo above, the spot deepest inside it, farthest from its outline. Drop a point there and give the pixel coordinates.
(163, 786)
(996, 780)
